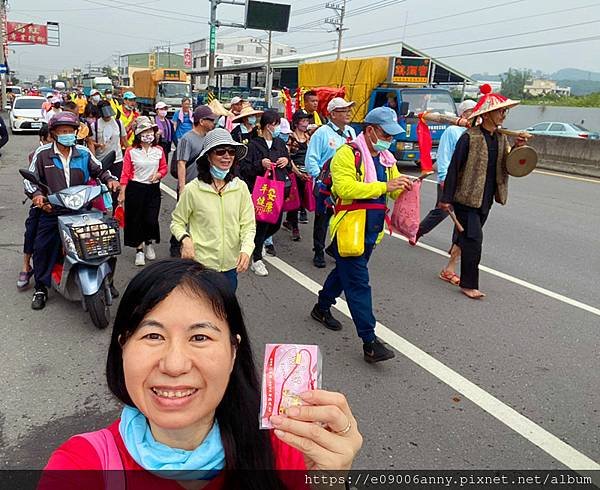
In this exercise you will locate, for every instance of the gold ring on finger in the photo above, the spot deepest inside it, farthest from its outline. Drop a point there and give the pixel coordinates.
(344, 431)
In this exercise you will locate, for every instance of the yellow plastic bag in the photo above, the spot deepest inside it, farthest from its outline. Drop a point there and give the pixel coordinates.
(351, 233)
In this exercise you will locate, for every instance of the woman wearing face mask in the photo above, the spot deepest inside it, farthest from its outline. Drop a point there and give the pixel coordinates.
(166, 130)
(298, 144)
(246, 129)
(183, 119)
(92, 112)
(266, 152)
(144, 165)
(217, 210)
(55, 109)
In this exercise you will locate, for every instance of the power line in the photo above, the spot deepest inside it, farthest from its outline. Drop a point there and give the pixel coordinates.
(507, 36)
(528, 46)
(94, 2)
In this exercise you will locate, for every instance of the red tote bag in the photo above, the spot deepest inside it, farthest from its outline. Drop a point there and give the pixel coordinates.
(292, 203)
(309, 202)
(268, 197)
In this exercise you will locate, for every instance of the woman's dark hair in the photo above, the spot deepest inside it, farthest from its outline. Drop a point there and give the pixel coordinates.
(203, 165)
(298, 116)
(137, 139)
(246, 446)
(269, 117)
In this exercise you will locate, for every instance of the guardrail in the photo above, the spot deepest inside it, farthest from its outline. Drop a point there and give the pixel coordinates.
(572, 155)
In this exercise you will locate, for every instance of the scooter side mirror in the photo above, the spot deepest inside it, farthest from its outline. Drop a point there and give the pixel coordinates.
(31, 177)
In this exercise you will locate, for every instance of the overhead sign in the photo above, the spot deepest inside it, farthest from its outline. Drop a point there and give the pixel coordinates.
(187, 57)
(410, 70)
(27, 33)
(267, 16)
(172, 75)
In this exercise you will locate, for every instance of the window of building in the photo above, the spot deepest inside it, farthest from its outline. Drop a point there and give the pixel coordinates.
(203, 61)
(195, 63)
(279, 52)
(203, 79)
(219, 62)
(236, 81)
(237, 61)
(240, 48)
(202, 45)
(220, 46)
(258, 50)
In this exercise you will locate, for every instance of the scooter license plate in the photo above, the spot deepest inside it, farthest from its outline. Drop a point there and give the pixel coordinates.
(36, 125)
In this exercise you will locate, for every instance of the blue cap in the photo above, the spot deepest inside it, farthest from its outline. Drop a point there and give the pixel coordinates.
(386, 118)
(129, 95)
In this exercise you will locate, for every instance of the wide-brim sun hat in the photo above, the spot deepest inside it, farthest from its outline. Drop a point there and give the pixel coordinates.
(490, 102)
(221, 137)
(246, 112)
(143, 123)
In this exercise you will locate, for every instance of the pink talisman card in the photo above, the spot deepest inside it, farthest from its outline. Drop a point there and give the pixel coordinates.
(289, 369)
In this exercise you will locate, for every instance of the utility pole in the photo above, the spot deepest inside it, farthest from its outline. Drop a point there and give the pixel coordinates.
(214, 23)
(2, 54)
(338, 22)
(269, 79)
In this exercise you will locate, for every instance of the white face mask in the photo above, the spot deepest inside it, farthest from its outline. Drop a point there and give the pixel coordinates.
(147, 138)
(95, 98)
(162, 112)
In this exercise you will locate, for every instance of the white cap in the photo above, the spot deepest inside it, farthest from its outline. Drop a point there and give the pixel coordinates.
(284, 126)
(236, 100)
(466, 105)
(94, 92)
(160, 105)
(338, 103)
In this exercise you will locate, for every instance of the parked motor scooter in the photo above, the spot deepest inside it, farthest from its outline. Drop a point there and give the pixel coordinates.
(91, 242)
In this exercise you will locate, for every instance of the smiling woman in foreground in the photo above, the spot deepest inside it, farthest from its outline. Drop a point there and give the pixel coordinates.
(180, 361)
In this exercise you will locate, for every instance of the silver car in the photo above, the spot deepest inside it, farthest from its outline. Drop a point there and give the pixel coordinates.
(569, 130)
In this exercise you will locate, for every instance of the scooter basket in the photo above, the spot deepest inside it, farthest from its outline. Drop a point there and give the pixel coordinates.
(97, 240)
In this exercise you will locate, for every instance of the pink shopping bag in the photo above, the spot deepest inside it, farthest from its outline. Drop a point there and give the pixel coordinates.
(268, 196)
(309, 202)
(292, 202)
(406, 214)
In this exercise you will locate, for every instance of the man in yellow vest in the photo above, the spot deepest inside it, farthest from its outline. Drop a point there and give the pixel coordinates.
(129, 114)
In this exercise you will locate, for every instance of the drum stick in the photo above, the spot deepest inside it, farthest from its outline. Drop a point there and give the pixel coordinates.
(453, 217)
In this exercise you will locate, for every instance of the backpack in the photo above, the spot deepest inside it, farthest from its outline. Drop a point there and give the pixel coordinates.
(175, 160)
(324, 183)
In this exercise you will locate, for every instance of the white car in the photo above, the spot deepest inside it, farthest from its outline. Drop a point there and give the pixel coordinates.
(26, 114)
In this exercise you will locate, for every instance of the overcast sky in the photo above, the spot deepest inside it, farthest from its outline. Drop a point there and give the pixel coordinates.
(92, 32)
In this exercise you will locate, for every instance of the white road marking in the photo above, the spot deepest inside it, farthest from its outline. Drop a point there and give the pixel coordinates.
(516, 280)
(583, 179)
(537, 435)
(168, 190)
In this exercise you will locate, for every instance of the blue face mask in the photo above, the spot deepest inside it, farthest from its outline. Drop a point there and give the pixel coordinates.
(252, 120)
(276, 131)
(218, 173)
(284, 136)
(67, 139)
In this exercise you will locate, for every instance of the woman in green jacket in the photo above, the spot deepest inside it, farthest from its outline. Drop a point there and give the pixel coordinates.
(214, 217)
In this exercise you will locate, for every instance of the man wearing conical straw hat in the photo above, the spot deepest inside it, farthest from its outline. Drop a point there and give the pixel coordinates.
(477, 176)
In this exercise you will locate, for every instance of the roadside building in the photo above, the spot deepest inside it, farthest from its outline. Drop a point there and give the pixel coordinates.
(234, 51)
(541, 87)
